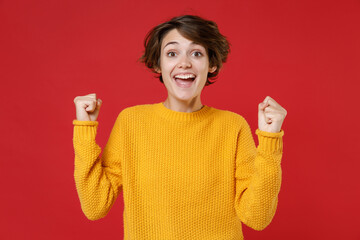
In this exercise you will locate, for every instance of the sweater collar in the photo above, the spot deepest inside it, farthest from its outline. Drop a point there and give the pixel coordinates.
(169, 114)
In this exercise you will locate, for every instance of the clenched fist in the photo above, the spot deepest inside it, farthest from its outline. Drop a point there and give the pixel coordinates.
(271, 115)
(87, 107)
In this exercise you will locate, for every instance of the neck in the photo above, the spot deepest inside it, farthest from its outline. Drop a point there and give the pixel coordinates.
(183, 106)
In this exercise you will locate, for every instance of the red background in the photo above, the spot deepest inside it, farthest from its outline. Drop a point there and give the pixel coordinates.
(305, 54)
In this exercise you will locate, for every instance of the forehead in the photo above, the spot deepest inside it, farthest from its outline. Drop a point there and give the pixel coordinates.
(173, 37)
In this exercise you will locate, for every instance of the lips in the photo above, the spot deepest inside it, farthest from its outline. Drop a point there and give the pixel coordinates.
(184, 80)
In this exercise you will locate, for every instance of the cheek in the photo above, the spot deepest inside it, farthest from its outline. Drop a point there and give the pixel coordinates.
(203, 68)
(166, 69)
(165, 64)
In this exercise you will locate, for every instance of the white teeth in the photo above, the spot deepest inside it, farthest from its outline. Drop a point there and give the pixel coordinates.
(185, 76)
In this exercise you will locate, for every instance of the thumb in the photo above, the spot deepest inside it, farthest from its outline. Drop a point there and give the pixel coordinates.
(263, 120)
(98, 103)
(262, 106)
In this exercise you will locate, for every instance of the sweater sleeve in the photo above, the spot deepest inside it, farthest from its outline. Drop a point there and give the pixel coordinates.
(98, 179)
(258, 176)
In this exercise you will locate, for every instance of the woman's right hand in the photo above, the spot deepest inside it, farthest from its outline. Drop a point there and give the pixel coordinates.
(87, 107)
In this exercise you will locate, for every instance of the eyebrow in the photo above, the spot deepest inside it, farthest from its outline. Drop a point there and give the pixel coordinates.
(170, 43)
(192, 43)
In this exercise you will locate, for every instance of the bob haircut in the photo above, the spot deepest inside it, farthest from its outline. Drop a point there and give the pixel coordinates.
(194, 28)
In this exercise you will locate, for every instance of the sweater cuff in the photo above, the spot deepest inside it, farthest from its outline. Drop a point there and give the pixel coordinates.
(270, 142)
(85, 130)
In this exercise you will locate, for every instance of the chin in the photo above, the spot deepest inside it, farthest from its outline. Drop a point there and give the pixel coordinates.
(184, 98)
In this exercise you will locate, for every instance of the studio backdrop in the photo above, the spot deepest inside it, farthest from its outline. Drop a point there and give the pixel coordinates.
(304, 54)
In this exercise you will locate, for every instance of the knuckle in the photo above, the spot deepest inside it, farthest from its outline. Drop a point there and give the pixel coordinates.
(92, 95)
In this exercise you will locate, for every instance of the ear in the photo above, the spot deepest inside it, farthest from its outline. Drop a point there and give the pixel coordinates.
(157, 70)
(213, 69)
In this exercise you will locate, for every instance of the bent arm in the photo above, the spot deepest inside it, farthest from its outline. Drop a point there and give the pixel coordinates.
(98, 179)
(258, 177)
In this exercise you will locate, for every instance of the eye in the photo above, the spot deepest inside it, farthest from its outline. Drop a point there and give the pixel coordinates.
(171, 54)
(197, 54)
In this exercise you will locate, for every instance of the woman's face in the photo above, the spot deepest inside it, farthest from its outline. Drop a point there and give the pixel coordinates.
(184, 66)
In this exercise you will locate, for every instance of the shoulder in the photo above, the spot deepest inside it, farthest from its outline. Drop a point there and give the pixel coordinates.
(229, 117)
(136, 111)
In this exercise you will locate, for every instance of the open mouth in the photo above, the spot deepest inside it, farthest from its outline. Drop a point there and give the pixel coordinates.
(184, 80)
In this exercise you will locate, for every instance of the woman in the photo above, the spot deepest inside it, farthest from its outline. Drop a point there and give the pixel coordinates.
(187, 170)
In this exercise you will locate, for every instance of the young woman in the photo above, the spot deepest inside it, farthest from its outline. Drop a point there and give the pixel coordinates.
(187, 170)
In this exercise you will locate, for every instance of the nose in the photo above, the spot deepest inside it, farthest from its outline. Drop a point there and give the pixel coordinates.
(184, 62)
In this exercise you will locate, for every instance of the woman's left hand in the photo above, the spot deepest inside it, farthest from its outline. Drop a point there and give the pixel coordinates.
(271, 115)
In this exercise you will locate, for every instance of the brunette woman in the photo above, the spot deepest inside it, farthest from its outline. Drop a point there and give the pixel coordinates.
(187, 170)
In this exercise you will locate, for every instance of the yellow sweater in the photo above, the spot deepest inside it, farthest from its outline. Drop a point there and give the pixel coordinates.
(184, 175)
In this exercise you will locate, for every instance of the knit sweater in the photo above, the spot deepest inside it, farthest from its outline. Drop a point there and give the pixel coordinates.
(183, 175)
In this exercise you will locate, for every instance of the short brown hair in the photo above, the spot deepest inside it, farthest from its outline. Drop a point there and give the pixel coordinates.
(195, 28)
